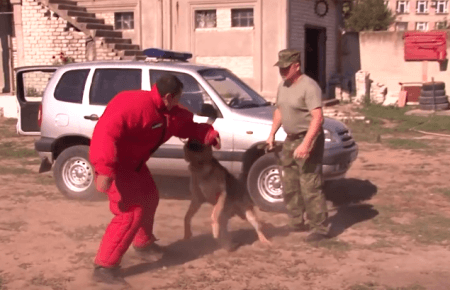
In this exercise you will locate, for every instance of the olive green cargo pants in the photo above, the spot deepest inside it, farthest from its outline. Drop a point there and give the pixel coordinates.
(302, 185)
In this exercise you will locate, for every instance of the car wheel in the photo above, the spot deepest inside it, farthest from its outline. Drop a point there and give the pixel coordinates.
(437, 93)
(264, 184)
(74, 174)
(433, 100)
(437, 107)
(430, 86)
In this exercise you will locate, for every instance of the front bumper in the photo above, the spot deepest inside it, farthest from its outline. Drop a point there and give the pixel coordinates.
(337, 162)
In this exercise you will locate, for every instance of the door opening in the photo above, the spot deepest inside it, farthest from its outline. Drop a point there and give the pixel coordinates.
(315, 54)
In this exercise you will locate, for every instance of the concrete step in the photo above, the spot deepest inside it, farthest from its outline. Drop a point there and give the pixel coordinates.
(129, 52)
(106, 33)
(74, 13)
(134, 57)
(90, 20)
(99, 26)
(71, 8)
(123, 46)
(117, 40)
(67, 2)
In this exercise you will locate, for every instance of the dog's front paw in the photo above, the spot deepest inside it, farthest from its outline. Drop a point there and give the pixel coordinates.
(215, 230)
(264, 240)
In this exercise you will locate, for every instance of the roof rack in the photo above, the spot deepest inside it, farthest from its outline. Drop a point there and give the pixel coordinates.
(161, 54)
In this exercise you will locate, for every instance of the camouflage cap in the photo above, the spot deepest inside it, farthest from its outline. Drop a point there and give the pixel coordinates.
(286, 57)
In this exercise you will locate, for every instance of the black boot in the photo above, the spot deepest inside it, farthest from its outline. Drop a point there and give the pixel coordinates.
(154, 250)
(108, 275)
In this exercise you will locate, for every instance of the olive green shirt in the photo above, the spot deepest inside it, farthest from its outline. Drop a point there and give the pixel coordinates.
(296, 103)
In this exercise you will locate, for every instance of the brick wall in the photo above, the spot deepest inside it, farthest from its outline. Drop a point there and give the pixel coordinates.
(109, 17)
(301, 13)
(45, 36)
(242, 66)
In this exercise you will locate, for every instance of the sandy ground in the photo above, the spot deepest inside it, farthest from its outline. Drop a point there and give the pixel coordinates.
(390, 219)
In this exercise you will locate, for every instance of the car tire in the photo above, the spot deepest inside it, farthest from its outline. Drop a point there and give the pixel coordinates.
(264, 184)
(433, 100)
(437, 93)
(437, 107)
(430, 86)
(74, 174)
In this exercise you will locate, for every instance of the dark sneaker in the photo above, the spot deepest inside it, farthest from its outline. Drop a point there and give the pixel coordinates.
(153, 250)
(108, 275)
(316, 237)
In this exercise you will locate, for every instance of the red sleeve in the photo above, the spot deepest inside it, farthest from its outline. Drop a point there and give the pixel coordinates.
(103, 151)
(185, 127)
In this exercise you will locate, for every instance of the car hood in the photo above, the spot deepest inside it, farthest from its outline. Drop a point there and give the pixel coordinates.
(264, 115)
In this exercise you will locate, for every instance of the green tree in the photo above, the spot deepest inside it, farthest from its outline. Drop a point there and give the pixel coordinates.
(369, 15)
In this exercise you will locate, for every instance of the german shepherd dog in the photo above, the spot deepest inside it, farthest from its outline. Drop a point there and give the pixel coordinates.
(212, 183)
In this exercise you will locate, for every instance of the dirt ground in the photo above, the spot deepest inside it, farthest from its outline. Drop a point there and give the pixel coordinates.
(390, 219)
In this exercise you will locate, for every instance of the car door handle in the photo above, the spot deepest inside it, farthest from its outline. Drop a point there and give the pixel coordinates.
(92, 117)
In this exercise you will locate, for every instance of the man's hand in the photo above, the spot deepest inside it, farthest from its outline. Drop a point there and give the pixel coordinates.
(302, 151)
(218, 144)
(103, 183)
(270, 141)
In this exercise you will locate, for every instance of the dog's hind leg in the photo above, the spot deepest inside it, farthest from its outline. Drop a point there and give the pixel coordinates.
(253, 220)
(193, 208)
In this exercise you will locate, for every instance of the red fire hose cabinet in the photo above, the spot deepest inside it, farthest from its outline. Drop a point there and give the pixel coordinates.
(430, 45)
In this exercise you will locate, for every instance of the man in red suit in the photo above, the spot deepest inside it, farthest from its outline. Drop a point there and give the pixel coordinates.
(132, 127)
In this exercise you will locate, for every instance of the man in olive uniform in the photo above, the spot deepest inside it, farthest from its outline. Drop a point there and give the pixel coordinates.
(299, 111)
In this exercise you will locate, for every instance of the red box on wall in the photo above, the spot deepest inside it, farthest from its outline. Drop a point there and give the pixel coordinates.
(430, 45)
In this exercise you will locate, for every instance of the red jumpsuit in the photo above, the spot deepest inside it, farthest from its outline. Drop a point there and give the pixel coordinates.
(129, 131)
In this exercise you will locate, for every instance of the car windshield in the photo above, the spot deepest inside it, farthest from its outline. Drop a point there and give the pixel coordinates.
(235, 93)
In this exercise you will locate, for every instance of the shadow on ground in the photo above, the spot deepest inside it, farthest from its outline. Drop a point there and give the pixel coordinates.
(349, 190)
(183, 251)
(347, 216)
(347, 195)
(340, 192)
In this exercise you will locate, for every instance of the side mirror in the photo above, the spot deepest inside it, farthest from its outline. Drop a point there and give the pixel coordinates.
(208, 110)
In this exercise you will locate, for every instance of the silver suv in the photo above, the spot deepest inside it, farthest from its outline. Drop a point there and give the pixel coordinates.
(65, 112)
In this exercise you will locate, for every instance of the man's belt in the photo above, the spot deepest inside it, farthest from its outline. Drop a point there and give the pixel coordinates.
(295, 136)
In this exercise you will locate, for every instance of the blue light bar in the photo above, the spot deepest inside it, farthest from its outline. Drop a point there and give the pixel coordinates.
(167, 54)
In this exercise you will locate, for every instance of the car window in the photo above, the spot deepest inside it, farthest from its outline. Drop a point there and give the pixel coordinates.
(109, 82)
(71, 86)
(193, 97)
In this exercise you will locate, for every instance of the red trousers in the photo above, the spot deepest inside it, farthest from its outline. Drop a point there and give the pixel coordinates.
(133, 198)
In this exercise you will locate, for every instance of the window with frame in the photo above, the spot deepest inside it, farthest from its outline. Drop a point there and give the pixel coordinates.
(442, 7)
(401, 26)
(123, 20)
(422, 6)
(193, 96)
(402, 7)
(440, 25)
(70, 87)
(205, 19)
(242, 17)
(422, 26)
(107, 83)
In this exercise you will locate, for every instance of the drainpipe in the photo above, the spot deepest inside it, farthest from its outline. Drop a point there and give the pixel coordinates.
(162, 23)
(140, 25)
(18, 29)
